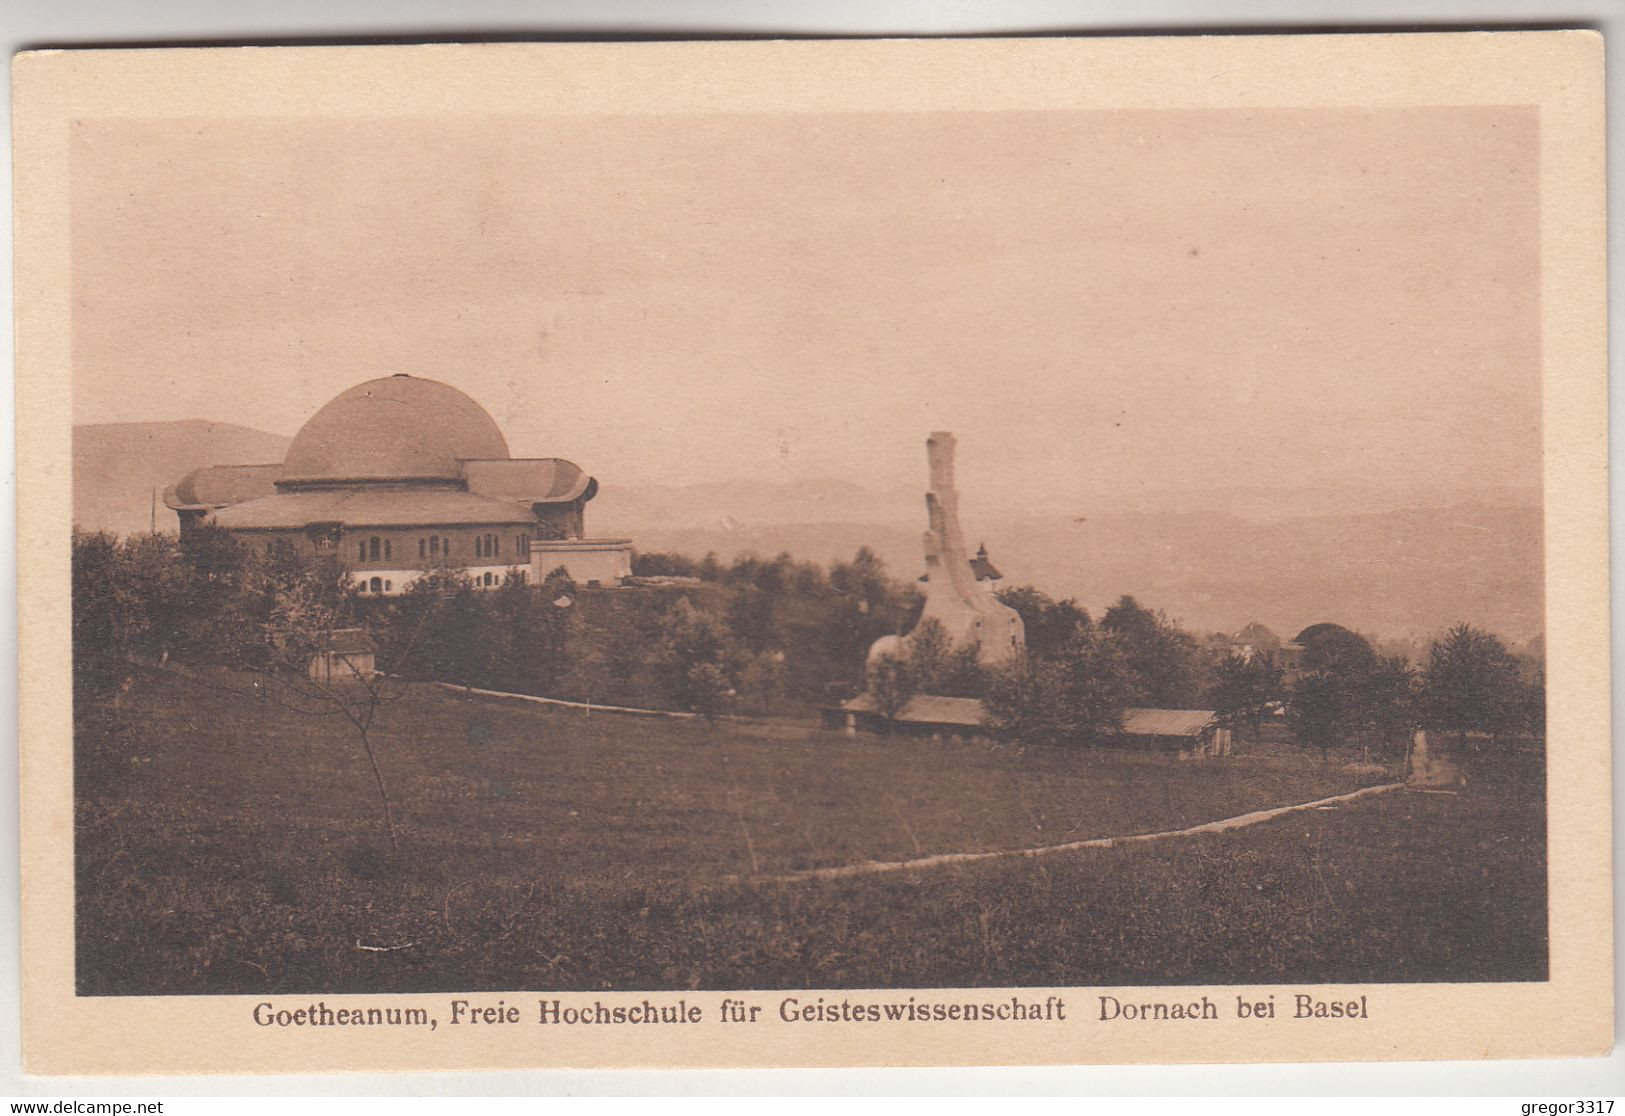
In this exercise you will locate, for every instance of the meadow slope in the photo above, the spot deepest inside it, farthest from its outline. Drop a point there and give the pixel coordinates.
(227, 845)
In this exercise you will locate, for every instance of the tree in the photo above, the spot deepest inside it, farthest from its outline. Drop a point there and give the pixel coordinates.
(1470, 684)
(168, 616)
(1100, 683)
(708, 689)
(867, 604)
(698, 659)
(662, 564)
(306, 614)
(891, 684)
(1323, 709)
(1163, 659)
(1385, 701)
(1532, 706)
(107, 616)
(1027, 702)
(929, 650)
(1049, 624)
(751, 616)
(1244, 688)
(525, 632)
(1074, 698)
(961, 674)
(1332, 647)
(763, 680)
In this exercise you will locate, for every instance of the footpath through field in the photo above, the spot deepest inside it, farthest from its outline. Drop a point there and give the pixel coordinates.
(1240, 821)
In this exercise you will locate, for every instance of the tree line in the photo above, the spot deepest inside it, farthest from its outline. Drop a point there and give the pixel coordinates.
(1078, 676)
(769, 636)
(754, 635)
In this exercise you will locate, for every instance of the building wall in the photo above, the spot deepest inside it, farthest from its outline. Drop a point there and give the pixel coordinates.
(479, 550)
(420, 547)
(604, 561)
(404, 547)
(560, 521)
(334, 666)
(397, 556)
(397, 581)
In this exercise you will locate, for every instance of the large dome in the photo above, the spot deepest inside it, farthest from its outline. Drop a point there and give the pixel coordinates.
(395, 428)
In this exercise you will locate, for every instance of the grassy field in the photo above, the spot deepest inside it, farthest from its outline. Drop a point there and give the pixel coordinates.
(227, 845)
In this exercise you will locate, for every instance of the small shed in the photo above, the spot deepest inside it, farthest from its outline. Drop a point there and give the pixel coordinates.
(344, 654)
(922, 715)
(1182, 733)
(1189, 733)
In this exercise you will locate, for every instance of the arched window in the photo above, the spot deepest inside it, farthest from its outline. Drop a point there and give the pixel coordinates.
(362, 588)
(361, 551)
(434, 544)
(423, 548)
(489, 580)
(388, 586)
(386, 548)
(377, 584)
(521, 544)
(445, 547)
(373, 549)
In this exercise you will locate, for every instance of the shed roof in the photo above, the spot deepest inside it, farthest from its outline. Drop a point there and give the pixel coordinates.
(930, 709)
(926, 709)
(1167, 722)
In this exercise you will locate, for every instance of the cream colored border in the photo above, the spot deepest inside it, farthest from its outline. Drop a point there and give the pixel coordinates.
(1561, 72)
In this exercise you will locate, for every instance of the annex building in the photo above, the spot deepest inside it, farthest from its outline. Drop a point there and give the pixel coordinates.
(400, 475)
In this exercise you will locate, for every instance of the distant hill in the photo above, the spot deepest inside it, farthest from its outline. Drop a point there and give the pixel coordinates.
(1393, 574)
(116, 466)
(1214, 561)
(727, 504)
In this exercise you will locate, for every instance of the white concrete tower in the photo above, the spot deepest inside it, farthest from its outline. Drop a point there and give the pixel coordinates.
(952, 598)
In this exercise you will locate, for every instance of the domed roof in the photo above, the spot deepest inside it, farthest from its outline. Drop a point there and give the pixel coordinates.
(395, 428)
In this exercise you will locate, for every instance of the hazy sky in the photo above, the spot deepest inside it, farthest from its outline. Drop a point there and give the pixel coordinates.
(1089, 300)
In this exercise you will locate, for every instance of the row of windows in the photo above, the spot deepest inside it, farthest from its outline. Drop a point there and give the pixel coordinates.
(384, 585)
(375, 549)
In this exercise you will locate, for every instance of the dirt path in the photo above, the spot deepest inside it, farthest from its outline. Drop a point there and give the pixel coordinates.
(1240, 821)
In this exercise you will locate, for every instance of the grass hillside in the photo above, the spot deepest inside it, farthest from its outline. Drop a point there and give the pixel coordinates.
(227, 845)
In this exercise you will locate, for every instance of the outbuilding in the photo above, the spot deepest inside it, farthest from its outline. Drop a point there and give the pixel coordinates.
(1177, 733)
(1186, 733)
(345, 654)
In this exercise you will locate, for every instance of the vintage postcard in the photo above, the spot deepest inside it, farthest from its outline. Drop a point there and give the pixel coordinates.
(813, 553)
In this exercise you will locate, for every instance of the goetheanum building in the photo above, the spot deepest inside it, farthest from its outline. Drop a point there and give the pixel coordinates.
(401, 475)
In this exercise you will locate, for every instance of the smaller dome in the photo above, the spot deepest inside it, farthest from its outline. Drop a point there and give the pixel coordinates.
(394, 428)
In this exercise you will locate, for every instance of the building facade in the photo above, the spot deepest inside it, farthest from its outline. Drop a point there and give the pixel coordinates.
(402, 475)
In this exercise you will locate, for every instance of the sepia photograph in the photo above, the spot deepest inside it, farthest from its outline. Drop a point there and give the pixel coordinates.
(995, 549)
